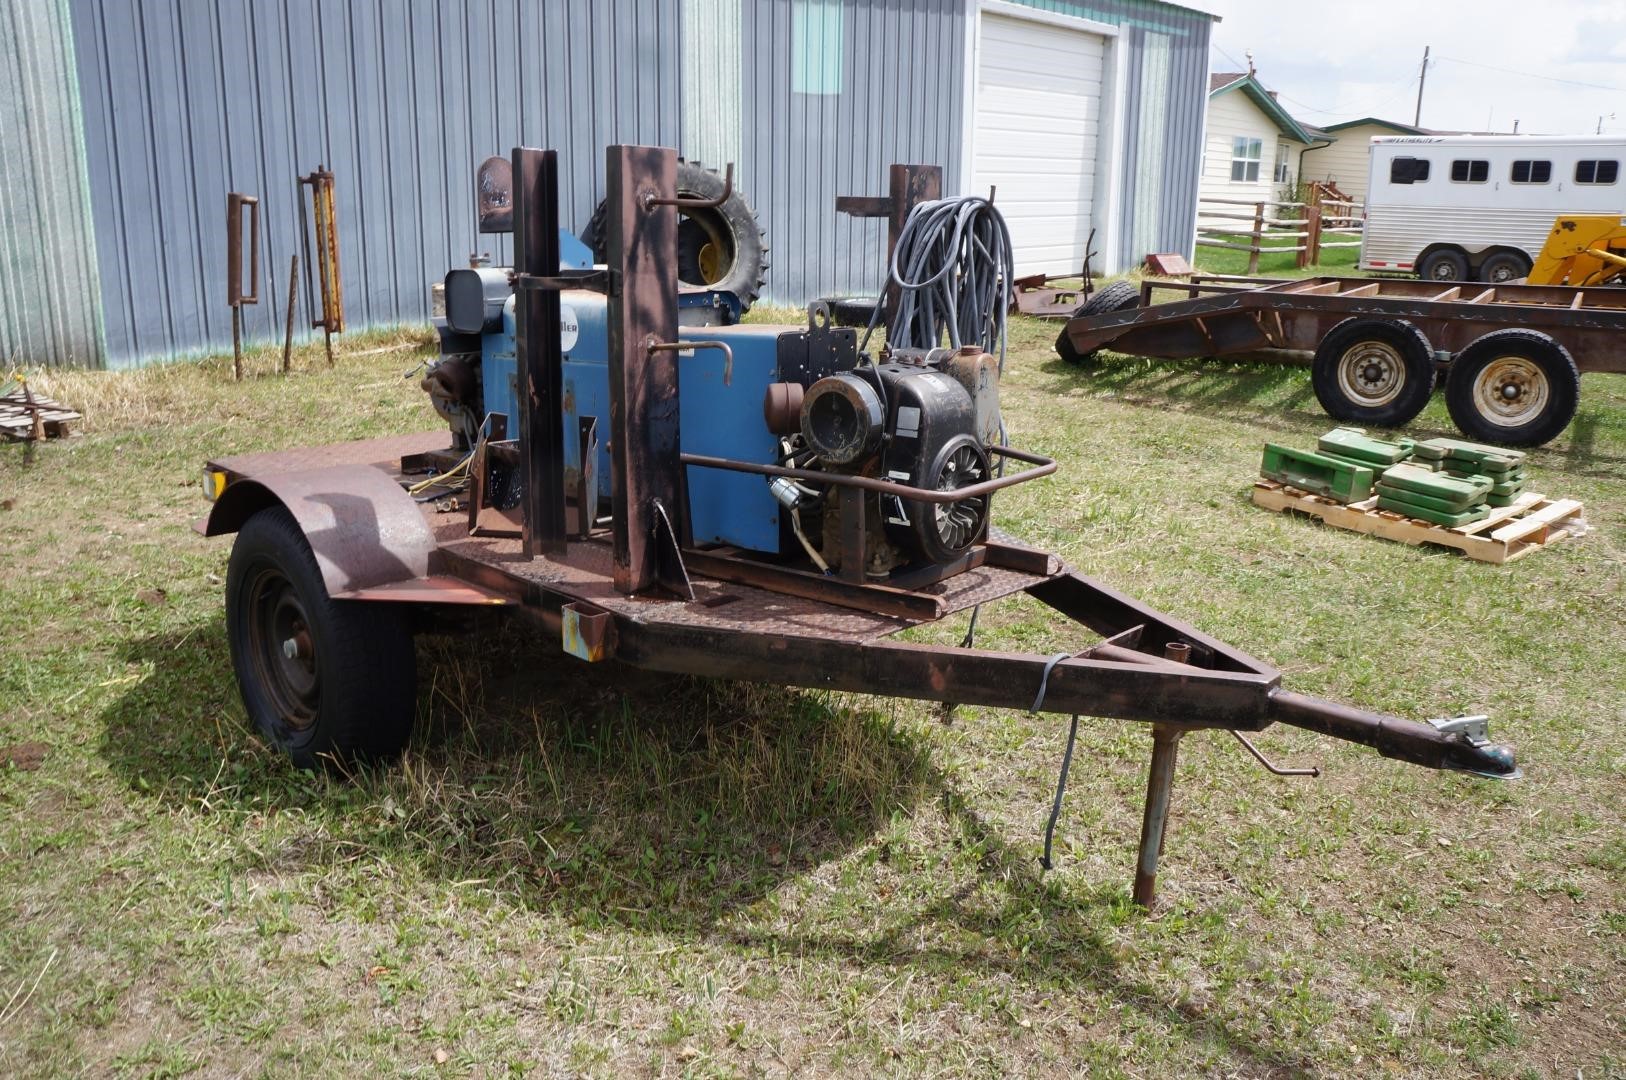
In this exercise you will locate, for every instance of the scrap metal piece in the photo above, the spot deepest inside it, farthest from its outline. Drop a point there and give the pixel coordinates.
(587, 632)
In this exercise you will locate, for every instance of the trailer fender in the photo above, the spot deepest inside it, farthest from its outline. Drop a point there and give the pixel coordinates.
(363, 528)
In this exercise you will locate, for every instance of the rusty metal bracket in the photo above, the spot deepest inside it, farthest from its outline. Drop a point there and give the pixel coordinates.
(651, 200)
(605, 281)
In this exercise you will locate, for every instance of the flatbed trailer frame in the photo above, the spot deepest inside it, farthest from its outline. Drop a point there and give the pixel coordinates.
(634, 589)
(1226, 314)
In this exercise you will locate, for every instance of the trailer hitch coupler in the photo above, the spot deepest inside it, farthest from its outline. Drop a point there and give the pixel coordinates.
(1462, 744)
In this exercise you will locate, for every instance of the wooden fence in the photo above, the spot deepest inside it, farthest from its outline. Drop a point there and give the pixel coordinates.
(1273, 227)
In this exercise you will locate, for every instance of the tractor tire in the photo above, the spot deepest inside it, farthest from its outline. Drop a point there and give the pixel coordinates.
(1444, 264)
(1373, 371)
(328, 682)
(1513, 387)
(720, 248)
(1503, 267)
(1119, 296)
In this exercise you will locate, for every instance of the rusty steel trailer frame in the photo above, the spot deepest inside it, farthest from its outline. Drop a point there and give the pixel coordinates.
(1224, 315)
(626, 593)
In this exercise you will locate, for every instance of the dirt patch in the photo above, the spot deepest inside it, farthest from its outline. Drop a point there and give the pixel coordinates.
(24, 757)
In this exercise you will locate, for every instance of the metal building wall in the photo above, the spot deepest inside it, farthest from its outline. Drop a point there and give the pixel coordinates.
(184, 101)
(48, 287)
(1166, 100)
(834, 91)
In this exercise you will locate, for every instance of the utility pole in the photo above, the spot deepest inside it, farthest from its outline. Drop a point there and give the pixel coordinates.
(1601, 119)
(1417, 117)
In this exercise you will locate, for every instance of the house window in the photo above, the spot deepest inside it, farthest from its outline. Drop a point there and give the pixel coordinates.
(1532, 172)
(1597, 172)
(1245, 156)
(1284, 163)
(1470, 172)
(1408, 170)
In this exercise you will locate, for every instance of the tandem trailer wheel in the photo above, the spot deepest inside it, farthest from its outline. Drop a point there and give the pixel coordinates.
(326, 681)
(1514, 387)
(1373, 371)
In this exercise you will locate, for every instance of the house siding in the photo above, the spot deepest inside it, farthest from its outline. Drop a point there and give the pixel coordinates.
(1232, 115)
(1347, 161)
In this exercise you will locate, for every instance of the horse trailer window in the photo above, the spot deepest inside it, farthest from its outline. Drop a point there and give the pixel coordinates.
(1408, 170)
(1597, 172)
(1470, 172)
(1532, 172)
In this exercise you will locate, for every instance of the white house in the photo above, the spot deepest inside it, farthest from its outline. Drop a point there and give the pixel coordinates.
(1253, 146)
(1344, 157)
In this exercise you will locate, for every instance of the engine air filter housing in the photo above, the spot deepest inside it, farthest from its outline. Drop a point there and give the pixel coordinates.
(842, 419)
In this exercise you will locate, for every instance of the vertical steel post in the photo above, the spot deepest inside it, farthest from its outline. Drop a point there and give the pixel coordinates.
(908, 187)
(1159, 788)
(537, 349)
(641, 240)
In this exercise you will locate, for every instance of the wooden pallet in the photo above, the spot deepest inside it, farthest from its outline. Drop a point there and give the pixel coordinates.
(1510, 532)
(17, 411)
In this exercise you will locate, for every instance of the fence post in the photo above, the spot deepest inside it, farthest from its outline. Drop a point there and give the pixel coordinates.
(1258, 238)
(1310, 254)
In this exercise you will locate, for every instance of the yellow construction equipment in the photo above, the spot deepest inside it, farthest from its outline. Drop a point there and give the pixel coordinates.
(1583, 249)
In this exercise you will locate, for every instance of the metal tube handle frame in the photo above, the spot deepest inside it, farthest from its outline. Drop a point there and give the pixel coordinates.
(235, 296)
(1043, 467)
(687, 346)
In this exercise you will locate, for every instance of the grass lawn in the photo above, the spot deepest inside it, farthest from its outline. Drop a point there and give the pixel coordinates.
(582, 870)
(1338, 262)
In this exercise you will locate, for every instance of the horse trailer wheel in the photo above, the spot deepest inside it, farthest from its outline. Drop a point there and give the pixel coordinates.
(1373, 371)
(1445, 264)
(1514, 387)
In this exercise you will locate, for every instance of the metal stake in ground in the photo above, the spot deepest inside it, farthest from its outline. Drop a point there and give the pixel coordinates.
(288, 329)
(235, 296)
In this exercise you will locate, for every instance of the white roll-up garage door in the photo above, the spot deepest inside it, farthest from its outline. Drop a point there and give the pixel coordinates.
(1038, 120)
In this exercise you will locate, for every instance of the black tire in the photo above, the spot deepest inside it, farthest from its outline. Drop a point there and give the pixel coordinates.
(350, 694)
(1373, 371)
(721, 248)
(1444, 264)
(1502, 267)
(1118, 296)
(1513, 387)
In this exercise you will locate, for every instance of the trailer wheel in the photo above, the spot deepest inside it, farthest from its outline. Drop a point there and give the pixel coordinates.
(1444, 264)
(1119, 296)
(1514, 387)
(1373, 371)
(324, 680)
(1501, 267)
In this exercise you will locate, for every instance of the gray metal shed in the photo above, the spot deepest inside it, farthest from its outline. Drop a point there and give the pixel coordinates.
(181, 102)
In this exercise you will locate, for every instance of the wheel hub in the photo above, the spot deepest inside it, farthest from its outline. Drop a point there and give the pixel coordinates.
(1511, 391)
(282, 648)
(1372, 374)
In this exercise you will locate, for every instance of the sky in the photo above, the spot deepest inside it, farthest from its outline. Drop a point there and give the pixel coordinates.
(1493, 61)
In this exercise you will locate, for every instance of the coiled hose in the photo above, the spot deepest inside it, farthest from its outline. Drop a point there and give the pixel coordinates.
(953, 268)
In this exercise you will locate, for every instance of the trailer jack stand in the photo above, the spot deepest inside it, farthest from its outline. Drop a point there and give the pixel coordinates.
(1154, 824)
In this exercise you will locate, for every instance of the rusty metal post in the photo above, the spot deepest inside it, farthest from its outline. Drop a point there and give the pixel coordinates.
(288, 328)
(537, 349)
(1258, 237)
(1154, 823)
(324, 217)
(908, 187)
(641, 235)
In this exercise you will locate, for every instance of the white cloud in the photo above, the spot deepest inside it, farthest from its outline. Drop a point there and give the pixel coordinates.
(1494, 61)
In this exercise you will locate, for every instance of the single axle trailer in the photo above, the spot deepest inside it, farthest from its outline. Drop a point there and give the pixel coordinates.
(334, 558)
(1511, 355)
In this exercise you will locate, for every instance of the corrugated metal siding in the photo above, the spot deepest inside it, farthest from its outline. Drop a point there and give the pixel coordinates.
(185, 101)
(48, 288)
(1166, 95)
(900, 101)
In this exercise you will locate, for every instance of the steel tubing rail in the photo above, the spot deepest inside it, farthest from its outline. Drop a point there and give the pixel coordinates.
(1043, 467)
(1403, 740)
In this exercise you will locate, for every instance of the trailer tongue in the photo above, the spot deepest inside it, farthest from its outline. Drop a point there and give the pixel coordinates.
(333, 552)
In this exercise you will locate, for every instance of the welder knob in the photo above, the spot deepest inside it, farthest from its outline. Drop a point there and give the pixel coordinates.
(842, 418)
